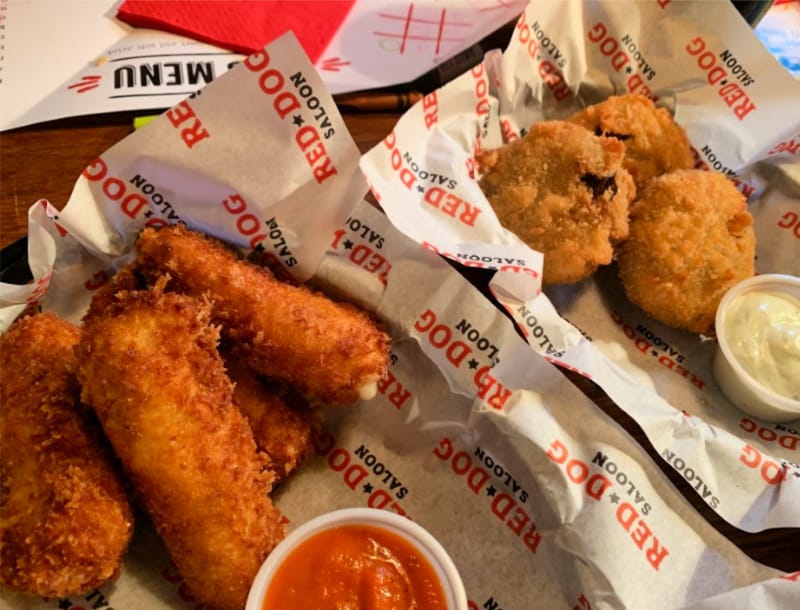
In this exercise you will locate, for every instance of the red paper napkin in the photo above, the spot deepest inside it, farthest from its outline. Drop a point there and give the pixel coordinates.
(240, 25)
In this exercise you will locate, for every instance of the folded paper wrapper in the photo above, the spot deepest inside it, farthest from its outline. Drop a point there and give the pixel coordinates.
(653, 372)
(242, 26)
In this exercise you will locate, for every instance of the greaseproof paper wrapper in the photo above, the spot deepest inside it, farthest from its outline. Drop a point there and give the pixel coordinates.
(739, 108)
(540, 498)
(179, 167)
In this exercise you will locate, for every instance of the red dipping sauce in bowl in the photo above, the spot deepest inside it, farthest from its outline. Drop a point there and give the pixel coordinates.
(355, 559)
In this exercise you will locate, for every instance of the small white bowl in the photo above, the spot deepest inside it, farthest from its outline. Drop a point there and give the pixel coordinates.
(741, 388)
(429, 547)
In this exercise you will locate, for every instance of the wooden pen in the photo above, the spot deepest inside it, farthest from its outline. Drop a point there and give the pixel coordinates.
(379, 101)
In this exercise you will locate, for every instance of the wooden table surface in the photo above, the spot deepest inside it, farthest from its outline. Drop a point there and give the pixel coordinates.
(43, 162)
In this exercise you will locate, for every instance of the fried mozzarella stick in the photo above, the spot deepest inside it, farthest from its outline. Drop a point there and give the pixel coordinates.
(283, 423)
(148, 364)
(65, 519)
(330, 352)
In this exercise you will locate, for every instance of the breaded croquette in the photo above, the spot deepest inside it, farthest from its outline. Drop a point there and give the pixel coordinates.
(691, 239)
(654, 143)
(283, 423)
(564, 192)
(148, 365)
(65, 519)
(124, 280)
(330, 352)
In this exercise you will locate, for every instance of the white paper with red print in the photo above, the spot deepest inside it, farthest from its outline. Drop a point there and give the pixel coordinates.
(740, 109)
(539, 497)
(179, 167)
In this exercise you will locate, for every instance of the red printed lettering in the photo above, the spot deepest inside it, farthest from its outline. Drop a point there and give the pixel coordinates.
(339, 460)
(627, 515)
(430, 109)
(706, 60)
(489, 389)
(370, 260)
(509, 134)
(787, 146)
(308, 139)
(583, 603)
(461, 464)
(577, 471)
(406, 176)
(639, 343)
(609, 47)
(635, 84)
(525, 37)
(504, 505)
(787, 441)
(96, 170)
(247, 224)
(771, 472)
(553, 79)
(192, 133)
(481, 89)
(673, 366)
(791, 222)
(394, 391)
(519, 269)
(114, 188)
(440, 336)
(452, 206)
(733, 93)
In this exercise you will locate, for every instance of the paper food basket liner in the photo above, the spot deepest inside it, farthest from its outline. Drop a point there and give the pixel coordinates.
(740, 109)
(541, 499)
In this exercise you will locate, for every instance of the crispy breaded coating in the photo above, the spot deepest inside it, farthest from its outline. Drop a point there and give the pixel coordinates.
(654, 142)
(283, 423)
(330, 352)
(124, 280)
(691, 239)
(564, 192)
(149, 367)
(65, 519)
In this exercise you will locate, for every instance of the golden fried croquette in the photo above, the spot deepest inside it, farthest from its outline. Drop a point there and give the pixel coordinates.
(283, 423)
(691, 238)
(124, 280)
(149, 366)
(564, 192)
(65, 519)
(654, 142)
(330, 352)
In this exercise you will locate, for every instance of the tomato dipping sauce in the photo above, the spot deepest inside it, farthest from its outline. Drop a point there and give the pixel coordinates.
(355, 567)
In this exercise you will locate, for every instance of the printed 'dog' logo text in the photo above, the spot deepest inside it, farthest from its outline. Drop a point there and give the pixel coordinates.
(628, 516)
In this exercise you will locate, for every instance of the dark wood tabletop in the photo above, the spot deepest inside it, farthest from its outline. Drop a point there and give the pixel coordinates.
(43, 162)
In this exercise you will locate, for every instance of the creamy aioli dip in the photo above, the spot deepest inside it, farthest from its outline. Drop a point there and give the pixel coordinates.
(763, 330)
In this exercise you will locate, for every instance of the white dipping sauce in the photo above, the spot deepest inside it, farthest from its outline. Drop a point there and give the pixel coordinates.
(763, 330)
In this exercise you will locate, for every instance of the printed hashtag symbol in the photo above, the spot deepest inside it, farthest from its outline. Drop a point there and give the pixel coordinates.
(429, 27)
(90, 81)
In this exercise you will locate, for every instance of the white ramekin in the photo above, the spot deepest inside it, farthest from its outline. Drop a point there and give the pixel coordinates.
(415, 534)
(741, 389)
